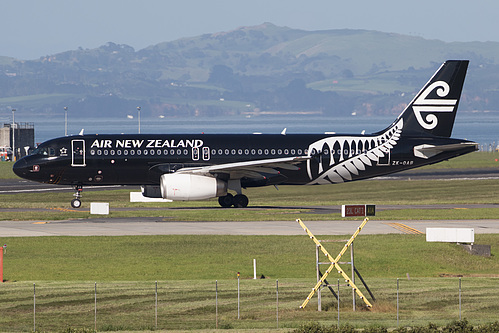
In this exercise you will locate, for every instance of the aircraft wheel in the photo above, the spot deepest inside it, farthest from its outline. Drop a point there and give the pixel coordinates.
(76, 203)
(241, 201)
(226, 201)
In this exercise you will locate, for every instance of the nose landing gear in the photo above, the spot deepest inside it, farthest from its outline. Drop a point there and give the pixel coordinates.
(76, 202)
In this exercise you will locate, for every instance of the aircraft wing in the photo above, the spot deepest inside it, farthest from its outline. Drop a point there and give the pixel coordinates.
(250, 169)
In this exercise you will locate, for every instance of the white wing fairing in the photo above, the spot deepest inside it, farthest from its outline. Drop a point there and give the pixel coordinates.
(249, 168)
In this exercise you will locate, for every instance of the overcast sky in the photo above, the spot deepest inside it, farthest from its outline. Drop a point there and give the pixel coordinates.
(34, 28)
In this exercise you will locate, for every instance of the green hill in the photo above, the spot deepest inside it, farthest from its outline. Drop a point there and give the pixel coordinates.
(266, 67)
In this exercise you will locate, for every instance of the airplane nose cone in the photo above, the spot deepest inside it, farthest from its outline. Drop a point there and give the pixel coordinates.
(20, 168)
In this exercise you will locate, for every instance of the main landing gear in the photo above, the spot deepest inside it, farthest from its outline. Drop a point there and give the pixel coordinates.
(238, 201)
(76, 202)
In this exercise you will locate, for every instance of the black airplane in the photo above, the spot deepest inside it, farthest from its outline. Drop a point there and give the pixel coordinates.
(203, 166)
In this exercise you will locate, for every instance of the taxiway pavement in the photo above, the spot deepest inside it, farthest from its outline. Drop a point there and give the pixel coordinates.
(160, 226)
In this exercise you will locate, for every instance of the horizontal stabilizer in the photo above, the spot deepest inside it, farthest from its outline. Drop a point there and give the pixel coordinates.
(427, 151)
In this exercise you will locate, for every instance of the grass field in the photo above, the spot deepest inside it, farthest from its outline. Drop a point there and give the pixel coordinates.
(179, 257)
(66, 270)
(191, 305)
(269, 204)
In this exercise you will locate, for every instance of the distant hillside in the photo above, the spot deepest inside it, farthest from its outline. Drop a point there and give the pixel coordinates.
(247, 70)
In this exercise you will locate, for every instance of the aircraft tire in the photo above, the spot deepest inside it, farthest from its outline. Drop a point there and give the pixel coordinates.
(226, 201)
(76, 203)
(240, 201)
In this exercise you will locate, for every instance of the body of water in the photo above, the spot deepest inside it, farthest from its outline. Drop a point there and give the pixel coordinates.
(479, 127)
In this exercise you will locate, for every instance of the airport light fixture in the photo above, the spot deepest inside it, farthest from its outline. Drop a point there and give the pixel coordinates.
(13, 136)
(65, 121)
(138, 109)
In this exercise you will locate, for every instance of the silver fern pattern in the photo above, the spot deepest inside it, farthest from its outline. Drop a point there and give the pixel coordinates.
(338, 159)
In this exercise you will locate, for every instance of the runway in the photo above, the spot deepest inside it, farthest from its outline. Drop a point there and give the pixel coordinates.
(160, 226)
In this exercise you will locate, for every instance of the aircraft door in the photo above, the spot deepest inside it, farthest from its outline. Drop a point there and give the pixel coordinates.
(78, 153)
(385, 160)
(206, 153)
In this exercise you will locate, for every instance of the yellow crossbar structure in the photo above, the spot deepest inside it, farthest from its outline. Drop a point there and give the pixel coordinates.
(334, 263)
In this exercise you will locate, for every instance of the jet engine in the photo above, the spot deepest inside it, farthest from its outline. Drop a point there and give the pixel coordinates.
(185, 187)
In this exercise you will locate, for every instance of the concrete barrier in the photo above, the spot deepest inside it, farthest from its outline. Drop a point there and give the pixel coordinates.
(450, 235)
(100, 208)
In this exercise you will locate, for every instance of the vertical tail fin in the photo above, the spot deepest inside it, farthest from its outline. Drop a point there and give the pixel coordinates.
(433, 110)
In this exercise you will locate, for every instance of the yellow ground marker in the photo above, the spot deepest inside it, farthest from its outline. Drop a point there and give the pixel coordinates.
(65, 210)
(405, 229)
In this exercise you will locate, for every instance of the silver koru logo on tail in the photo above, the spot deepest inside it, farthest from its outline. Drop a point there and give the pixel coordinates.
(422, 104)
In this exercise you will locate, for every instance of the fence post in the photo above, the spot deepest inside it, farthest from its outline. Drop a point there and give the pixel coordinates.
(397, 302)
(338, 303)
(1, 263)
(156, 307)
(277, 301)
(216, 304)
(459, 298)
(238, 297)
(34, 307)
(95, 306)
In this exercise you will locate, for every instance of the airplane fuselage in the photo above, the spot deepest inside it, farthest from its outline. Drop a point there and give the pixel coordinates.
(142, 159)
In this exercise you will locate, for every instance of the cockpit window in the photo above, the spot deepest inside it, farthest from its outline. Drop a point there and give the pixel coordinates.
(44, 151)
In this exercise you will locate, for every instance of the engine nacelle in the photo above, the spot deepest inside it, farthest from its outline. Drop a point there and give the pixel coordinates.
(185, 187)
